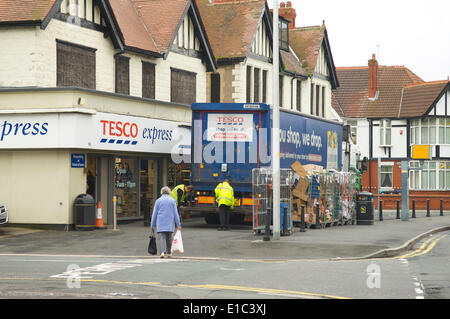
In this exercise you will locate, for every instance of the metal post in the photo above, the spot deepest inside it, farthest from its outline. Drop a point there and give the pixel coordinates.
(428, 208)
(114, 212)
(285, 224)
(276, 125)
(380, 208)
(414, 209)
(302, 220)
(405, 190)
(267, 232)
(441, 208)
(378, 188)
(317, 216)
(398, 209)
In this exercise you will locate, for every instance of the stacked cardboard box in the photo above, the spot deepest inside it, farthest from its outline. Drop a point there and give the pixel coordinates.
(301, 193)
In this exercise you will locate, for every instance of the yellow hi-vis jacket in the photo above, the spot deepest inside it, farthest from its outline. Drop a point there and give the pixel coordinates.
(224, 194)
(174, 194)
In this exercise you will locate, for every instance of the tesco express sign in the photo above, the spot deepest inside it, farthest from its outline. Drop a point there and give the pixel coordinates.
(102, 131)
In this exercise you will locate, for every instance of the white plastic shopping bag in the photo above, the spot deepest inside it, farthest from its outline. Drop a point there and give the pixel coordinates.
(177, 243)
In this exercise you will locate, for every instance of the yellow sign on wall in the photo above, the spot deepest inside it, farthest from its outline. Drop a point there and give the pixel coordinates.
(421, 152)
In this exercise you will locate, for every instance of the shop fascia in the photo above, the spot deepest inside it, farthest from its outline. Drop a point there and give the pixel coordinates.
(94, 131)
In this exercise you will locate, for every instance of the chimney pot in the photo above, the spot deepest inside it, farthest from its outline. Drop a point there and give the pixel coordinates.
(287, 12)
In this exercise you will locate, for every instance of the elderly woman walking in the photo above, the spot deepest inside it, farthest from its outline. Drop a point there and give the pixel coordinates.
(165, 217)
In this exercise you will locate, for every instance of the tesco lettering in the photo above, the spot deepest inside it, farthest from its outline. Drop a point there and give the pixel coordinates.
(119, 129)
(230, 119)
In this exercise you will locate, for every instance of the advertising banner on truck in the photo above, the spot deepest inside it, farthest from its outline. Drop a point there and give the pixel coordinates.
(309, 141)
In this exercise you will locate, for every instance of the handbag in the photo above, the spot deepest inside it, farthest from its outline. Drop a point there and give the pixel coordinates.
(177, 243)
(152, 245)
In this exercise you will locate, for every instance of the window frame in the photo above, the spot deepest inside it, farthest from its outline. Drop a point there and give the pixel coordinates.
(118, 76)
(80, 75)
(384, 132)
(391, 173)
(148, 89)
(176, 91)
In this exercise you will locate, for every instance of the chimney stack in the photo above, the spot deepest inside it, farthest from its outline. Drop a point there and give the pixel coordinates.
(373, 77)
(288, 12)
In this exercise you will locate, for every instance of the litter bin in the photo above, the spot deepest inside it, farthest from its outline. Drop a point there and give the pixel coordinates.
(364, 208)
(84, 212)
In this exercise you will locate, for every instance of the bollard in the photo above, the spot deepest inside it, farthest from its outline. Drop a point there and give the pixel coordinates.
(381, 210)
(414, 208)
(114, 212)
(302, 220)
(317, 216)
(441, 208)
(267, 232)
(398, 209)
(285, 224)
(428, 208)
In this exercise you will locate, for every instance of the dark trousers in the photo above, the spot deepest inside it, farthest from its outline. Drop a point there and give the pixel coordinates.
(224, 216)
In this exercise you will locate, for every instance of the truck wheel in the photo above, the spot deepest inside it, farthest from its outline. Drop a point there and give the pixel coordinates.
(212, 219)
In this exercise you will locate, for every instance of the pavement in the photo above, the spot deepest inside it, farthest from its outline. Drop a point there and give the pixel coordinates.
(201, 241)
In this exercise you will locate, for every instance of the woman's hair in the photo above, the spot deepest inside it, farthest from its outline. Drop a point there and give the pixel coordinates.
(165, 190)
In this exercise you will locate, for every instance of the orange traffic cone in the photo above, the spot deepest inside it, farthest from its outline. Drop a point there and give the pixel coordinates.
(99, 220)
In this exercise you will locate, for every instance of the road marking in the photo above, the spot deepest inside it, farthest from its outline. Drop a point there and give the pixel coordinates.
(88, 272)
(278, 292)
(232, 269)
(261, 290)
(423, 249)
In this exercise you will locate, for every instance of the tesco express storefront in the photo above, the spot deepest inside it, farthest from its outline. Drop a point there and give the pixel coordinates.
(47, 159)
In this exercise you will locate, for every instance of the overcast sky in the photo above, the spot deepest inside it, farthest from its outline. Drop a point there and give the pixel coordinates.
(413, 33)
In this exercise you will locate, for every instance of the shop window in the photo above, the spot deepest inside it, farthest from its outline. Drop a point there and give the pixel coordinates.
(149, 189)
(125, 187)
(182, 87)
(75, 65)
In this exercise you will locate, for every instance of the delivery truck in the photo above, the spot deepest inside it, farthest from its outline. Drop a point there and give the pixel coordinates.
(228, 140)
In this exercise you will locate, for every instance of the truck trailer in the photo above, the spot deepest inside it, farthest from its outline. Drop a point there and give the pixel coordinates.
(228, 140)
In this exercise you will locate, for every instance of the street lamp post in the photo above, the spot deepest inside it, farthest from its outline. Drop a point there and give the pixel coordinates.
(276, 126)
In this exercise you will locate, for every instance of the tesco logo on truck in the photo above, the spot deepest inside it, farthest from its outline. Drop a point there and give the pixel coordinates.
(230, 120)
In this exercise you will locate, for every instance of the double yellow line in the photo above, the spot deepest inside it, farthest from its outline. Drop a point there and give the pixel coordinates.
(424, 248)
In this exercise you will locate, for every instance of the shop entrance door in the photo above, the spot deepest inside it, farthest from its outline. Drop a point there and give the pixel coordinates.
(126, 187)
(91, 177)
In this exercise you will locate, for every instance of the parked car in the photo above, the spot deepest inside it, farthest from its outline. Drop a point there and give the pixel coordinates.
(3, 214)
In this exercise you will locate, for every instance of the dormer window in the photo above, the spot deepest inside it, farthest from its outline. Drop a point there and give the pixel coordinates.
(284, 34)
